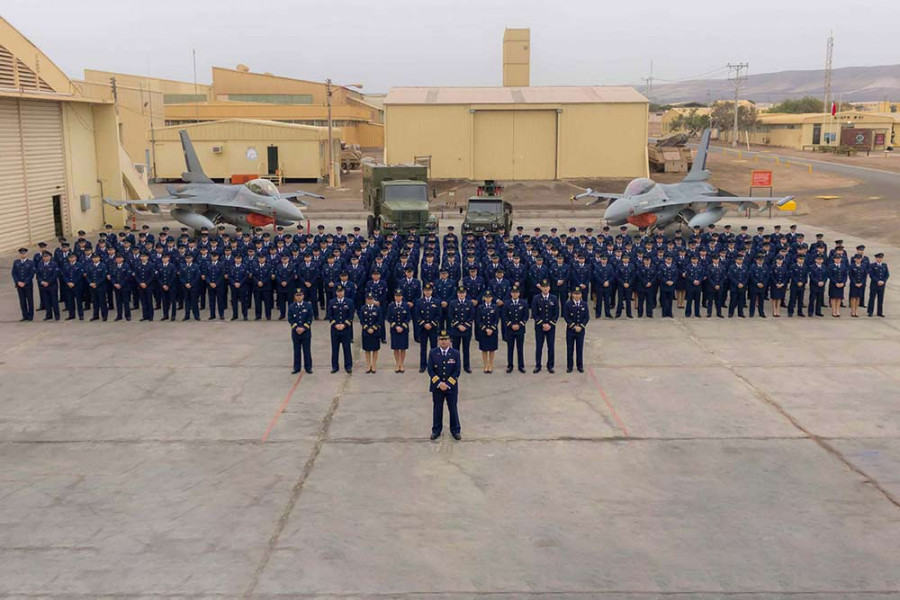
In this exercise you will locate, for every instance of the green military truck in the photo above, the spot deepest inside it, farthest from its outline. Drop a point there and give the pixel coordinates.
(486, 212)
(397, 197)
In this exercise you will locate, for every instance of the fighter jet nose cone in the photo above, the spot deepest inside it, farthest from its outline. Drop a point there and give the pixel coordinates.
(288, 212)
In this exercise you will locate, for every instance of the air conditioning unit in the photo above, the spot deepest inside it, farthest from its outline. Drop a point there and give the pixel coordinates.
(217, 149)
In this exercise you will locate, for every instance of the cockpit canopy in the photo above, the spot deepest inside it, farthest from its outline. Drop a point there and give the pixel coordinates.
(262, 187)
(638, 186)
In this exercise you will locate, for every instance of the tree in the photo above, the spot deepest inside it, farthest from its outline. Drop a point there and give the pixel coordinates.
(690, 122)
(807, 104)
(722, 116)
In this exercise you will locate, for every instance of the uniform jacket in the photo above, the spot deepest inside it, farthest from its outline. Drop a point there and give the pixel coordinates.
(545, 310)
(444, 366)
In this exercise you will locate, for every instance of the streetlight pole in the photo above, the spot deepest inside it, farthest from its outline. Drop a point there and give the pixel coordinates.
(331, 174)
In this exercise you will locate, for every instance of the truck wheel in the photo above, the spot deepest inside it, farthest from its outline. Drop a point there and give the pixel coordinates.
(370, 224)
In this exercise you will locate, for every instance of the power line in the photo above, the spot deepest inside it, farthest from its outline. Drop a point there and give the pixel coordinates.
(738, 80)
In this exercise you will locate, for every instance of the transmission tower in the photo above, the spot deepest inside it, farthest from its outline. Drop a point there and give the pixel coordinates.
(649, 83)
(829, 50)
(738, 80)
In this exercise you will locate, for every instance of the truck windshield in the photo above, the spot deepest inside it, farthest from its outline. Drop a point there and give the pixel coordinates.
(405, 192)
(485, 206)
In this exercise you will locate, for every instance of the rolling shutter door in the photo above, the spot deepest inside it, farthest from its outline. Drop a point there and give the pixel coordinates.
(515, 145)
(13, 216)
(45, 167)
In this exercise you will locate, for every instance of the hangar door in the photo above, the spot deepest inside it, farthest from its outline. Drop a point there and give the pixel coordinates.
(32, 170)
(514, 144)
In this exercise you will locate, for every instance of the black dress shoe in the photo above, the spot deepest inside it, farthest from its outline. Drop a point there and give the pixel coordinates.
(211, 319)
(67, 319)
(128, 318)
(521, 369)
(568, 369)
(335, 370)
(537, 369)
(295, 371)
(509, 369)
(581, 369)
(456, 436)
(309, 371)
(550, 370)
(435, 436)
(117, 319)
(467, 370)
(186, 319)
(142, 320)
(349, 370)
(421, 369)
(92, 319)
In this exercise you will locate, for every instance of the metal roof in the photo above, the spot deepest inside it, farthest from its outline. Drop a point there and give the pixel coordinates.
(515, 95)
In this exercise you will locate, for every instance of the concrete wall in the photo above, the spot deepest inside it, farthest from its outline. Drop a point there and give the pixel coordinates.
(297, 159)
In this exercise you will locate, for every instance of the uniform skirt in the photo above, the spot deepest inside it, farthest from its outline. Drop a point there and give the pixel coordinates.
(371, 342)
(857, 292)
(834, 292)
(776, 293)
(488, 343)
(399, 341)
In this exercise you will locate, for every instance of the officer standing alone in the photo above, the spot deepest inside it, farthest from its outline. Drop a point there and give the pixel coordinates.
(300, 316)
(576, 315)
(444, 369)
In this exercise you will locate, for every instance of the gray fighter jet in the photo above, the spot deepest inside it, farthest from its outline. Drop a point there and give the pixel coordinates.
(693, 201)
(200, 202)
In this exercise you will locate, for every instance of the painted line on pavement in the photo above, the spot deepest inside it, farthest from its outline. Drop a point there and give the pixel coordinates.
(281, 408)
(619, 423)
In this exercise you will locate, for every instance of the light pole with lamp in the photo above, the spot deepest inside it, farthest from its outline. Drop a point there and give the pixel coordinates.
(332, 172)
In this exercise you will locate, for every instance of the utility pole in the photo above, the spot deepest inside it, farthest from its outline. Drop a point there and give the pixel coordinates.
(649, 82)
(738, 79)
(331, 176)
(115, 93)
(829, 97)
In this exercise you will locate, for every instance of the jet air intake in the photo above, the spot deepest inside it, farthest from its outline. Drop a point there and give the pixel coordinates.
(707, 217)
(192, 219)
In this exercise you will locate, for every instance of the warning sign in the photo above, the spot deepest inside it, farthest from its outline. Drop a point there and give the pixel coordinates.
(761, 179)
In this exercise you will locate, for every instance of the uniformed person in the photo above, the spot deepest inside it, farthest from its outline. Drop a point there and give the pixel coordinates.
(95, 274)
(72, 273)
(371, 320)
(758, 285)
(576, 315)
(798, 273)
(738, 277)
(340, 315)
(428, 317)
(487, 320)
(443, 368)
(48, 282)
(837, 274)
(461, 314)
(515, 318)
(120, 278)
(779, 279)
(300, 316)
(216, 287)
(398, 319)
(189, 277)
(545, 310)
(878, 276)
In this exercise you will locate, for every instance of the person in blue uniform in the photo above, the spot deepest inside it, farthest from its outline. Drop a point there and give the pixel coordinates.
(625, 275)
(120, 279)
(856, 281)
(818, 276)
(262, 273)
(166, 281)
(308, 281)
(487, 321)
(837, 274)
(667, 275)
(216, 286)
(339, 315)
(95, 275)
(443, 369)
(300, 317)
(779, 280)
(576, 314)
(545, 311)
(738, 278)
(144, 276)
(72, 274)
(48, 285)
(428, 317)
(644, 278)
(878, 276)
(605, 286)
(798, 275)
(717, 284)
(694, 278)
(398, 318)
(460, 315)
(758, 286)
(514, 319)
(189, 277)
(371, 320)
(239, 283)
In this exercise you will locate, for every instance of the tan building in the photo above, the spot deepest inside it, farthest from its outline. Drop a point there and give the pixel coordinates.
(240, 94)
(59, 151)
(243, 147)
(666, 126)
(523, 133)
(815, 129)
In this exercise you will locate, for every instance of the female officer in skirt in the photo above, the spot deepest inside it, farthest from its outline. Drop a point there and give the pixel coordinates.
(778, 283)
(398, 318)
(837, 281)
(857, 280)
(371, 321)
(487, 321)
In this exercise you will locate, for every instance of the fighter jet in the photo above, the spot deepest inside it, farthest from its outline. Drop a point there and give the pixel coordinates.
(200, 203)
(694, 201)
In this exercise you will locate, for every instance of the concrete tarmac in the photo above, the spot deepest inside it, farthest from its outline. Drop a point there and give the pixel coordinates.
(696, 458)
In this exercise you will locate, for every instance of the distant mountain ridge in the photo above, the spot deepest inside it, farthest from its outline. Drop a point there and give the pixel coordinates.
(853, 84)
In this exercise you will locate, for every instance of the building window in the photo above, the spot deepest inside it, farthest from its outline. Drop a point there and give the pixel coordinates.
(272, 98)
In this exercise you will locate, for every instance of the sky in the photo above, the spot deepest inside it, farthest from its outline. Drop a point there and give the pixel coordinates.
(385, 43)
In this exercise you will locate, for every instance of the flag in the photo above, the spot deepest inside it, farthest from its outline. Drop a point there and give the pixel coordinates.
(833, 108)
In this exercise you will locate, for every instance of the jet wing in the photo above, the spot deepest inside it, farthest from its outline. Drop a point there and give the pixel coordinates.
(157, 201)
(779, 202)
(596, 197)
(217, 196)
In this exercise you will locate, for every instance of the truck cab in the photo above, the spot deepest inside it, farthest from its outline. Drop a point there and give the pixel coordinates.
(487, 212)
(397, 197)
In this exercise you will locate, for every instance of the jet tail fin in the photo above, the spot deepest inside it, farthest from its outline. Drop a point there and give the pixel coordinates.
(194, 173)
(698, 170)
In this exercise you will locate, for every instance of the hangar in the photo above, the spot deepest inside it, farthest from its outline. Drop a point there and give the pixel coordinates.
(59, 151)
(519, 133)
(243, 146)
